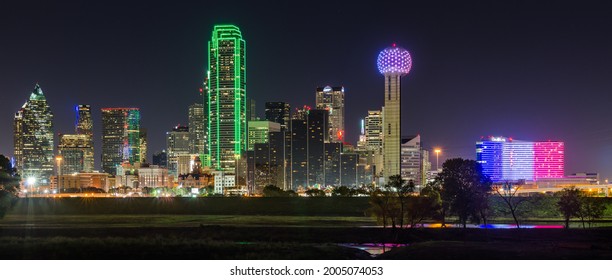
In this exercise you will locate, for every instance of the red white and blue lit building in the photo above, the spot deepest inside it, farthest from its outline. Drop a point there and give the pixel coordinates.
(506, 159)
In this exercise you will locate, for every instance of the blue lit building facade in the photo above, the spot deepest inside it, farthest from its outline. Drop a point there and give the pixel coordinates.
(505, 159)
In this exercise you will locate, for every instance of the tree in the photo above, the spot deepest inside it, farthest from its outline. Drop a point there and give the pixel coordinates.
(342, 191)
(569, 204)
(433, 190)
(315, 192)
(272, 191)
(465, 188)
(512, 201)
(402, 190)
(591, 209)
(380, 204)
(9, 185)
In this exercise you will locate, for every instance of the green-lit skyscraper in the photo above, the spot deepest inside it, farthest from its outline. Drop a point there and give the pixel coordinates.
(226, 98)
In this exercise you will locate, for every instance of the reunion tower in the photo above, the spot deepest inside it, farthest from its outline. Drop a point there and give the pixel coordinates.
(393, 62)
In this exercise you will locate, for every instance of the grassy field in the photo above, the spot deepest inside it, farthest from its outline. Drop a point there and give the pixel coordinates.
(274, 206)
(266, 228)
(105, 221)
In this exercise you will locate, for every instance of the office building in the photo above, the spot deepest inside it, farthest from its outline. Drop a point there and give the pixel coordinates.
(349, 163)
(153, 176)
(197, 131)
(226, 98)
(76, 153)
(177, 145)
(142, 142)
(279, 112)
(160, 159)
(258, 132)
(301, 113)
(374, 131)
(333, 161)
(33, 139)
(318, 133)
(332, 99)
(411, 159)
(120, 138)
(299, 154)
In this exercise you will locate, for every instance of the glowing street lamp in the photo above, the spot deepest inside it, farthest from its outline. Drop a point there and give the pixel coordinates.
(31, 181)
(437, 151)
(59, 159)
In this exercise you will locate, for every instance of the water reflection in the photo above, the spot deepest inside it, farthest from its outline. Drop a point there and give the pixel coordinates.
(374, 249)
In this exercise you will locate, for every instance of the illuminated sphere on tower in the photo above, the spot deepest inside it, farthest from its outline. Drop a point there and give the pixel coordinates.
(395, 61)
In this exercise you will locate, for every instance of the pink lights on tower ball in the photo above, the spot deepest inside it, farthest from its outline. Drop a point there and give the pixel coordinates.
(394, 60)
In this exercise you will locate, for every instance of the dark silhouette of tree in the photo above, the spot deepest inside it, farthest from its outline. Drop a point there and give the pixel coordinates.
(466, 189)
(380, 203)
(343, 191)
(315, 192)
(512, 201)
(569, 204)
(401, 190)
(591, 209)
(433, 190)
(272, 191)
(9, 185)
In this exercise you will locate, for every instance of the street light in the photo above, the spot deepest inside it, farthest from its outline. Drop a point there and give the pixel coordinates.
(31, 181)
(58, 159)
(437, 151)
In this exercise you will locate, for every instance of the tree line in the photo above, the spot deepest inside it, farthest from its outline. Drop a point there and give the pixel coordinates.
(462, 191)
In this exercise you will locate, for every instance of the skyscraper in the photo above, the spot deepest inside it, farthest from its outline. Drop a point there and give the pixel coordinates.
(299, 154)
(374, 131)
(318, 133)
(160, 159)
(266, 163)
(332, 100)
(33, 138)
(279, 112)
(120, 137)
(374, 141)
(197, 135)
(348, 169)
(76, 152)
(300, 113)
(226, 97)
(142, 143)
(251, 110)
(177, 144)
(333, 153)
(411, 159)
(258, 132)
(84, 126)
(393, 62)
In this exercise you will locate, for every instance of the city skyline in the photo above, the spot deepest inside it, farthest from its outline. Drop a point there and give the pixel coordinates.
(433, 99)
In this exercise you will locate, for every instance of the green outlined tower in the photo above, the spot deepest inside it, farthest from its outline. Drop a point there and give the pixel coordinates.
(226, 98)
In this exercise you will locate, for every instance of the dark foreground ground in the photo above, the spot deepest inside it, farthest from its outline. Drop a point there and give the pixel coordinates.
(279, 242)
(274, 228)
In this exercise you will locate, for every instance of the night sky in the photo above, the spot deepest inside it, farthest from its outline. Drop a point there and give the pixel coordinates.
(513, 68)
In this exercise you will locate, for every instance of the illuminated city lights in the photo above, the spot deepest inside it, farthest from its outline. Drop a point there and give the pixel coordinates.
(394, 60)
(506, 159)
